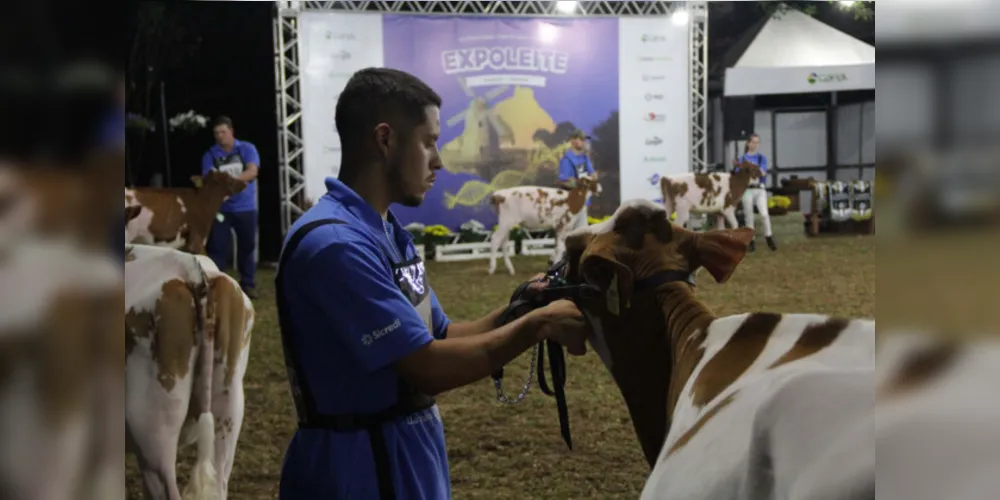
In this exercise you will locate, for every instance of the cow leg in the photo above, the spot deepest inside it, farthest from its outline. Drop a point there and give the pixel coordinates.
(497, 241)
(730, 216)
(228, 408)
(154, 418)
(720, 221)
(683, 214)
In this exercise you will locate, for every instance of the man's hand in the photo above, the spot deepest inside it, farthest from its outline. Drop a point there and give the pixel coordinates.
(563, 322)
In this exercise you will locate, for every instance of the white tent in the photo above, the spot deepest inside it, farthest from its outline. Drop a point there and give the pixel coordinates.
(795, 53)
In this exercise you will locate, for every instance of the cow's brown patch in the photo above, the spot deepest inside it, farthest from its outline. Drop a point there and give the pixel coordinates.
(735, 357)
(129, 254)
(710, 190)
(814, 338)
(132, 212)
(231, 320)
(738, 183)
(672, 190)
(187, 214)
(693, 430)
(920, 368)
(176, 332)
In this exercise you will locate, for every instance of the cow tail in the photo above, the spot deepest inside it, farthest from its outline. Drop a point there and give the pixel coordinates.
(204, 482)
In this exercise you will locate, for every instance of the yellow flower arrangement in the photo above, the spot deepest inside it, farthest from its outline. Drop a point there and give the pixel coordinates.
(782, 202)
(437, 231)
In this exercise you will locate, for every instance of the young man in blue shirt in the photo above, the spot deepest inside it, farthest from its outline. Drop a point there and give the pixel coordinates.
(367, 345)
(575, 164)
(238, 213)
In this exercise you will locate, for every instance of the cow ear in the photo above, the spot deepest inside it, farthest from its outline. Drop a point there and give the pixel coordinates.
(719, 252)
(197, 181)
(612, 277)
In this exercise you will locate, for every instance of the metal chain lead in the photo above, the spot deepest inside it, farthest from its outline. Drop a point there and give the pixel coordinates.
(501, 397)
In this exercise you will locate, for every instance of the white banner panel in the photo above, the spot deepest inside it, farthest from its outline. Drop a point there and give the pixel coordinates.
(655, 103)
(332, 46)
(798, 80)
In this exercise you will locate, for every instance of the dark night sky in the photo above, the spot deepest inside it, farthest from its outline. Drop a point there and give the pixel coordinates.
(232, 73)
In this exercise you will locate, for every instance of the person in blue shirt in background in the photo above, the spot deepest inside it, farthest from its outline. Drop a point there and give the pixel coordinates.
(367, 345)
(575, 164)
(756, 193)
(112, 138)
(238, 213)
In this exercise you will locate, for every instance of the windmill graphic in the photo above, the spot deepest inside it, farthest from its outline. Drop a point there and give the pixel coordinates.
(484, 131)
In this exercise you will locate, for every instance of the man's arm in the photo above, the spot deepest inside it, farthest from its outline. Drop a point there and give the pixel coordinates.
(379, 326)
(475, 327)
(252, 160)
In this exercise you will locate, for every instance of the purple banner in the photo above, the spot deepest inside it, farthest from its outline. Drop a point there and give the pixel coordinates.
(513, 90)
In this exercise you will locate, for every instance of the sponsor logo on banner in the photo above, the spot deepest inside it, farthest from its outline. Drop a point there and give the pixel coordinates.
(654, 180)
(650, 38)
(653, 78)
(654, 97)
(654, 141)
(655, 117)
(815, 78)
(653, 58)
(654, 159)
(340, 36)
(343, 55)
(516, 59)
(331, 149)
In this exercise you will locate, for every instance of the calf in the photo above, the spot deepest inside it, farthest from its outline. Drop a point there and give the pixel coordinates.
(538, 208)
(741, 407)
(717, 193)
(187, 345)
(179, 218)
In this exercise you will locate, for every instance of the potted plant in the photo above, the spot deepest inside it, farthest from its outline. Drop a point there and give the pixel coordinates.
(436, 235)
(778, 205)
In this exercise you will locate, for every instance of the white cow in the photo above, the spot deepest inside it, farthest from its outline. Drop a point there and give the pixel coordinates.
(539, 208)
(187, 346)
(749, 406)
(717, 194)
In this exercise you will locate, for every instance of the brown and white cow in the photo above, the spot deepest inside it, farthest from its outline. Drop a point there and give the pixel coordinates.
(539, 208)
(61, 349)
(187, 346)
(738, 407)
(179, 217)
(717, 194)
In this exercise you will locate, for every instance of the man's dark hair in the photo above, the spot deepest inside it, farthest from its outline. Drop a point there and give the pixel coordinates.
(222, 120)
(380, 95)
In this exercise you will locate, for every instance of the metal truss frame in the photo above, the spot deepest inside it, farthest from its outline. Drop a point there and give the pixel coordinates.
(287, 76)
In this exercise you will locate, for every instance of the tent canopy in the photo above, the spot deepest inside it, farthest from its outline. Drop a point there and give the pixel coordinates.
(795, 53)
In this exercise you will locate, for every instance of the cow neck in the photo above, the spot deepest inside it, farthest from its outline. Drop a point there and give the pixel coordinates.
(652, 384)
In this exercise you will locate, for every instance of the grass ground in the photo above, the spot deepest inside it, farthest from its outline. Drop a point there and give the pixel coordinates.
(500, 452)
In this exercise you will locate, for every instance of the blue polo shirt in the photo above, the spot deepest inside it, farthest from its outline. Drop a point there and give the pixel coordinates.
(234, 163)
(339, 287)
(572, 164)
(757, 159)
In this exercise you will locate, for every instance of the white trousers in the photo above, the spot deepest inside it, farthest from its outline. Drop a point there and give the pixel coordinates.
(756, 197)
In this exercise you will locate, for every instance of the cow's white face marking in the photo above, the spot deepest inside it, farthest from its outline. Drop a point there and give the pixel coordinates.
(180, 203)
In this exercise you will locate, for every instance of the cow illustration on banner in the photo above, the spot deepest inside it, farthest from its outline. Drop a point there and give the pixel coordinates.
(513, 91)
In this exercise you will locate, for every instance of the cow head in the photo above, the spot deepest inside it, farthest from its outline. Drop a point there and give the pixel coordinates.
(640, 262)
(589, 184)
(219, 181)
(752, 170)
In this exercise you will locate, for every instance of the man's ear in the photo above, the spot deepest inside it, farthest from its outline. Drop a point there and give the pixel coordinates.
(384, 138)
(721, 251)
(612, 277)
(197, 181)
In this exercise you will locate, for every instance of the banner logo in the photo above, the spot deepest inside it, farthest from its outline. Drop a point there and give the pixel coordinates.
(653, 78)
(815, 78)
(654, 141)
(654, 180)
(530, 59)
(653, 58)
(654, 97)
(655, 117)
(654, 159)
(340, 36)
(343, 55)
(649, 38)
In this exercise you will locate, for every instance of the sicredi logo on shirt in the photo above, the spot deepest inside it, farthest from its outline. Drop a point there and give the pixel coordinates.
(368, 338)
